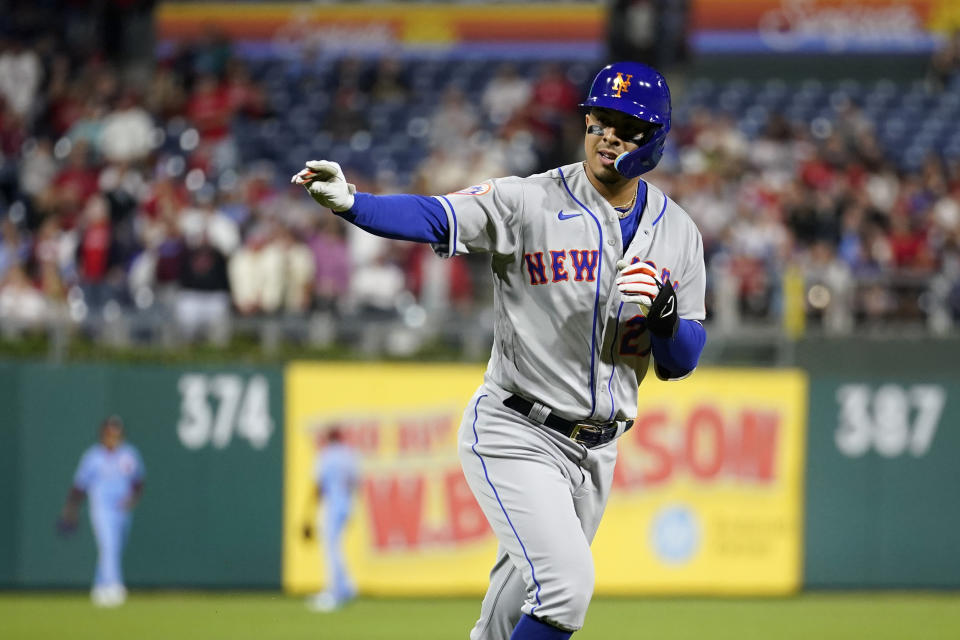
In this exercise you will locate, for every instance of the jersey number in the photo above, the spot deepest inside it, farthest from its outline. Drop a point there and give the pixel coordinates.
(630, 342)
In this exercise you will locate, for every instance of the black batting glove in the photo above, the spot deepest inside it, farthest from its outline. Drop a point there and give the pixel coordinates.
(663, 319)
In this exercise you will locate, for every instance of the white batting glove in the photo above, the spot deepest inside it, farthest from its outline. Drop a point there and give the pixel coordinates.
(325, 182)
(637, 284)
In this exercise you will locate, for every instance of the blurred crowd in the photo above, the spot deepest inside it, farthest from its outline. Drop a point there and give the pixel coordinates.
(108, 195)
(828, 203)
(132, 194)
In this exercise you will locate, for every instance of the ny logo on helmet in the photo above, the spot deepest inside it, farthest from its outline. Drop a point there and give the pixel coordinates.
(621, 85)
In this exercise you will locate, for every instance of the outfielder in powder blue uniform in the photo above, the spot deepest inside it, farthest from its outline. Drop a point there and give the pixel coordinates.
(336, 473)
(599, 279)
(111, 474)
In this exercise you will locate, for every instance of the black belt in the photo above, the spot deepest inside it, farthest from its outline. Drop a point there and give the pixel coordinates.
(589, 434)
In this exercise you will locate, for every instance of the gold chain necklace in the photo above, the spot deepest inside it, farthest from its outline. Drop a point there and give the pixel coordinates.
(628, 207)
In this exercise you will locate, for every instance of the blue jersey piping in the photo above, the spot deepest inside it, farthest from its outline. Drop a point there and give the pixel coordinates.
(662, 211)
(453, 213)
(613, 368)
(596, 302)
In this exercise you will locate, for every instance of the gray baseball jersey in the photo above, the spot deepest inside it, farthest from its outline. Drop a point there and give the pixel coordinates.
(564, 338)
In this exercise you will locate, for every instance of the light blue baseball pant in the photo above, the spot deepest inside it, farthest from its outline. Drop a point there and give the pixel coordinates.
(111, 527)
(339, 584)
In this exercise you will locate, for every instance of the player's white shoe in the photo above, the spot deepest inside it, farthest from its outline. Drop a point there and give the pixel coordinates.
(323, 602)
(108, 596)
(119, 595)
(98, 596)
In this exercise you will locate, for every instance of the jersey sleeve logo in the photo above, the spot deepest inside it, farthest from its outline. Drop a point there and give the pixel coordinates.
(475, 190)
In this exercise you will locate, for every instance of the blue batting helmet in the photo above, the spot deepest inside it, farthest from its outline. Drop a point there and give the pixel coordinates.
(640, 91)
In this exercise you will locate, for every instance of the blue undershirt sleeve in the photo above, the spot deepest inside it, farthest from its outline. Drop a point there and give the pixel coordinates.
(399, 217)
(529, 628)
(676, 357)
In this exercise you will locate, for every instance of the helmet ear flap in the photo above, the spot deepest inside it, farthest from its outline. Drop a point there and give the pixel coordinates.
(644, 158)
(628, 164)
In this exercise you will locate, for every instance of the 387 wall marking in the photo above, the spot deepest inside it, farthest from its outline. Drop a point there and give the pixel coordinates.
(891, 419)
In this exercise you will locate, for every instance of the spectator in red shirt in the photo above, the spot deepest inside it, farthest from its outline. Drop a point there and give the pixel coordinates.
(244, 95)
(554, 100)
(75, 183)
(553, 93)
(93, 251)
(210, 109)
(12, 130)
(906, 243)
(98, 279)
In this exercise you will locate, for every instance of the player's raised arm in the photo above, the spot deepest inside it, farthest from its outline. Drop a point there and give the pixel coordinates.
(398, 217)
(482, 218)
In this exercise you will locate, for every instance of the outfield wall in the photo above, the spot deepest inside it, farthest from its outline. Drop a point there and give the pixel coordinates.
(9, 474)
(883, 481)
(734, 481)
(212, 445)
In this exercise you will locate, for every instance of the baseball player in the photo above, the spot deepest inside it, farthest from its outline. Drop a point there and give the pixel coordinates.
(111, 473)
(596, 273)
(336, 474)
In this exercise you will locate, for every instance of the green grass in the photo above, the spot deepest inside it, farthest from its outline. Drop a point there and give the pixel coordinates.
(259, 616)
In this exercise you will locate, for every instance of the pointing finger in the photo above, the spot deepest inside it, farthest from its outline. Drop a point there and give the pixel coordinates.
(301, 177)
(324, 169)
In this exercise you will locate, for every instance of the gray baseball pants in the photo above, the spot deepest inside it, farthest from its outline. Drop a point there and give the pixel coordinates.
(544, 495)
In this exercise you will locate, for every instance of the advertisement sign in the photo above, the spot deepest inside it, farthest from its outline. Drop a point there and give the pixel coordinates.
(415, 517)
(712, 26)
(707, 490)
(354, 28)
(821, 26)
